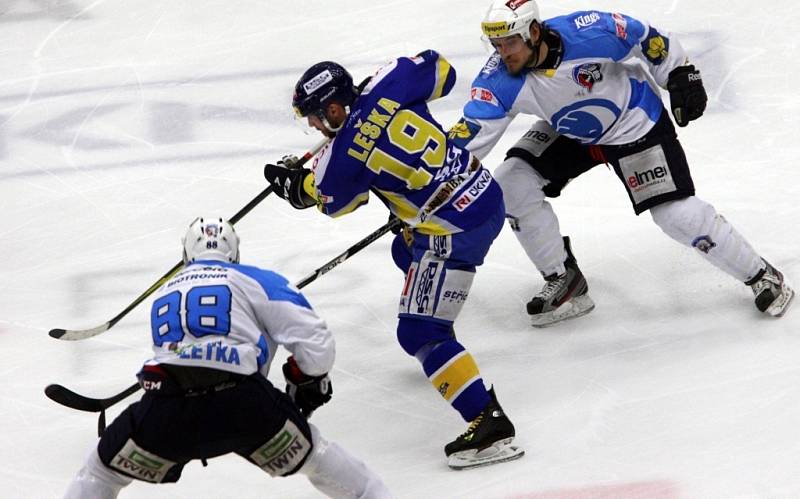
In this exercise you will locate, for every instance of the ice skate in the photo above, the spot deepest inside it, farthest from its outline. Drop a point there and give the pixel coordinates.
(563, 296)
(486, 441)
(773, 295)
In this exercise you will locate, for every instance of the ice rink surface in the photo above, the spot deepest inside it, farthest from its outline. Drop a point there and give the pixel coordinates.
(120, 121)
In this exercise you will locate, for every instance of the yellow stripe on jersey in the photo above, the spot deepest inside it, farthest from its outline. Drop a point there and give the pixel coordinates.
(458, 373)
(352, 205)
(407, 212)
(443, 69)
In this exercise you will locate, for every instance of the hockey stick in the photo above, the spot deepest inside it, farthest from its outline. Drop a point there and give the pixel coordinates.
(82, 334)
(67, 397)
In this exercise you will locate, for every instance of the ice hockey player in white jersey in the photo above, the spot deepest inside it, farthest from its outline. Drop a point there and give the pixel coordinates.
(215, 328)
(589, 76)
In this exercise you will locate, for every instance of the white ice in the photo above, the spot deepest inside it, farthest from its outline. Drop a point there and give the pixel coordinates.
(120, 121)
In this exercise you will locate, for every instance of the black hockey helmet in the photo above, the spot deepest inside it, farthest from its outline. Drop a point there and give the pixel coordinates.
(322, 83)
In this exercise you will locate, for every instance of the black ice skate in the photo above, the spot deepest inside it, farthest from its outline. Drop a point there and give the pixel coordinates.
(486, 441)
(773, 295)
(563, 296)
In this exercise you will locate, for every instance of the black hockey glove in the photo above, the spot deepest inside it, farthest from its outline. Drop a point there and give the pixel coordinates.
(288, 182)
(307, 392)
(686, 94)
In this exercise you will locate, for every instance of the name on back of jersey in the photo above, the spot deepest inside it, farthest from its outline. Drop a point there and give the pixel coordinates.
(370, 130)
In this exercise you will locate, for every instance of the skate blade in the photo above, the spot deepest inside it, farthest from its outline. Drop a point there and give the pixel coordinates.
(779, 306)
(576, 307)
(499, 452)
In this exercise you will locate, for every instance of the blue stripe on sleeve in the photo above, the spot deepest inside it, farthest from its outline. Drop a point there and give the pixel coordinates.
(274, 285)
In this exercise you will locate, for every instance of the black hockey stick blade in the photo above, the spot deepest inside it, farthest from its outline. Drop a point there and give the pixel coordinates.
(68, 398)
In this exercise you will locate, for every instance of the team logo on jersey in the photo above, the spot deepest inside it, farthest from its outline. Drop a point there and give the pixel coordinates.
(483, 95)
(586, 20)
(586, 120)
(621, 25)
(704, 243)
(586, 75)
(655, 47)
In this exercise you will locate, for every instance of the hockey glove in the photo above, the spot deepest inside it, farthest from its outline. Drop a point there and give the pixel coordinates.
(686, 94)
(307, 392)
(288, 183)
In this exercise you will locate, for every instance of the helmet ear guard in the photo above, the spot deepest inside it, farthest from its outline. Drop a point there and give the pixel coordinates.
(210, 238)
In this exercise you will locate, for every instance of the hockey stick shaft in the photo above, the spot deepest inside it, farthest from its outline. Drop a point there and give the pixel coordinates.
(67, 397)
(352, 250)
(82, 334)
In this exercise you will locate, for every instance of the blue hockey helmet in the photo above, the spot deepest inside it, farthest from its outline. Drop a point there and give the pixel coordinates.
(321, 84)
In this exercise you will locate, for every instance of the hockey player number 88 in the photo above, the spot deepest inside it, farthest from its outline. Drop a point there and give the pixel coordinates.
(206, 309)
(412, 134)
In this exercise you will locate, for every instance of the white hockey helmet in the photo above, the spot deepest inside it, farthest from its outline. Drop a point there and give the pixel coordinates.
(510, 17)
(210, 238)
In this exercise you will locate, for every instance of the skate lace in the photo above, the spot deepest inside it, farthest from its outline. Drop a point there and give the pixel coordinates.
(768, 281)
(551, 288)
(472, 426)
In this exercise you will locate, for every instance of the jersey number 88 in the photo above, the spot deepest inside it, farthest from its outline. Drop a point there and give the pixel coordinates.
(206, 310)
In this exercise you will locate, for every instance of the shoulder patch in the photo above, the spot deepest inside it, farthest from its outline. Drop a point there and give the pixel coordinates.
(655, 47)
(462, 132)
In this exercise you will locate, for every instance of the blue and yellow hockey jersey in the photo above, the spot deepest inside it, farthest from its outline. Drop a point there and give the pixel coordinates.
(391, 144)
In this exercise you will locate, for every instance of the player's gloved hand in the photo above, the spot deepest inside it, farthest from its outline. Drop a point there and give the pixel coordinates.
(288, 184)
(307, 392)
(686, 94)
(289, 161)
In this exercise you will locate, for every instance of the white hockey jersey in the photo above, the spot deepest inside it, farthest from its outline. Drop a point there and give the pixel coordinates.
(604, 91)
(232, 317)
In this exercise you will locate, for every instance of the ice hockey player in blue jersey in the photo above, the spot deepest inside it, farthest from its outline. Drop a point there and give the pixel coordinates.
(386, 141)
(588, 75)
(216, 326)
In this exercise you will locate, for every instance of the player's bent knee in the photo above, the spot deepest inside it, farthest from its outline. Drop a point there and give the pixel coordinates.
(414, 334)
(521, 185)
(684, 219)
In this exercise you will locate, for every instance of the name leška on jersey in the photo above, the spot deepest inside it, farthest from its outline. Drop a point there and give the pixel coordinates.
(391, 145)
(602, 91)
